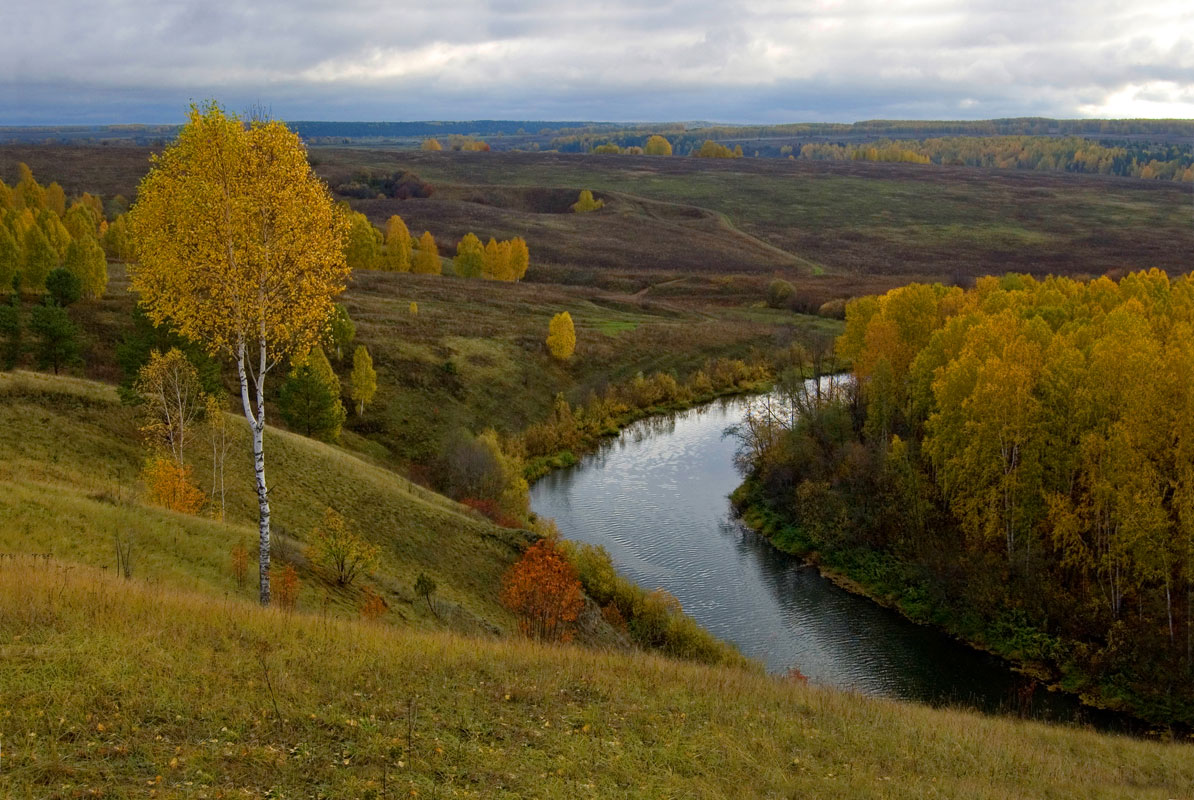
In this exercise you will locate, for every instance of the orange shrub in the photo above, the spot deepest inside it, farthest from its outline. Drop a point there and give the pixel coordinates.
(544, 592)
(373, 606)
(171, 486)
(286, 588)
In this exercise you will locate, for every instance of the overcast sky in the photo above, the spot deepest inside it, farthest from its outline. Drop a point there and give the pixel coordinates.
(619, 60)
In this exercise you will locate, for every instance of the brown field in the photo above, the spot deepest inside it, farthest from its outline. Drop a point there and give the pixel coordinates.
(679, 225)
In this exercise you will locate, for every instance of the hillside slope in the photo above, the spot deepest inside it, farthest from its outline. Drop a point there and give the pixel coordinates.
(132, 690)
(69, 472)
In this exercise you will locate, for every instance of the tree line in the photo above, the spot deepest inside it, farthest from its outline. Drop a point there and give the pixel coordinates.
(1015, 461)
(1069, 154)
(395, 250)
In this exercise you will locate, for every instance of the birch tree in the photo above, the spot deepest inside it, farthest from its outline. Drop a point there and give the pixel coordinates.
(239, 248)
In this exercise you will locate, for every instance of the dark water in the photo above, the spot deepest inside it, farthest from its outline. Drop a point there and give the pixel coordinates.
(657, 499)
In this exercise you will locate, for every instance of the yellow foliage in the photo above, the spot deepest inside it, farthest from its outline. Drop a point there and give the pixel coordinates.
(364, 378)
(171, 486)
(397, 255)
(561, 336)
(585, 202)
(426, 260)
(239, 244)
(432, 144)
(658, 146)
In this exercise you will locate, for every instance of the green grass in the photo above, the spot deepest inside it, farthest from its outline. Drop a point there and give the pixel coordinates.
(71, 484)
(138, 690)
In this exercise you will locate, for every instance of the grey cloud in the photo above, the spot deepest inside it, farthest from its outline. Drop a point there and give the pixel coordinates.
(767, 60)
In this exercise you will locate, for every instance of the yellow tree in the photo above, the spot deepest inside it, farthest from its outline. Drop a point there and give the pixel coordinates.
(432, 144)
(426, 259)
(561, 336)
(240, 248)
(470, 257)
(363, 247)
(658, 146)
(364, 378)
(172, 399)
(56, 199)
(519, 260)
(85, 260)
(585, 202)
(493, 263)
(397, 255)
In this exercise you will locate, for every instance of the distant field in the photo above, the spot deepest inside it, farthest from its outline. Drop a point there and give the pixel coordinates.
(895, 221)
(836, 228)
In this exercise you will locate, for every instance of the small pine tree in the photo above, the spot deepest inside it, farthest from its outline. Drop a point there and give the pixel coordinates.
(364, 379)
(561, 336)
(470, 257)
(63, 286)
(58, 344)
(310, 397)
(426, 259)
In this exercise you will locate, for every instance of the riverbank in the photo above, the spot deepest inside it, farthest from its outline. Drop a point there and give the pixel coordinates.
(894, 585)
(587, 435)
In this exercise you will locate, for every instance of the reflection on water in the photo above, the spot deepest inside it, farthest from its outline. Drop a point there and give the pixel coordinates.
(657, 499)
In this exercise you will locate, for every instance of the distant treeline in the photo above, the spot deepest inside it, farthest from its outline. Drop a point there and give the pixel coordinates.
(1071, 154)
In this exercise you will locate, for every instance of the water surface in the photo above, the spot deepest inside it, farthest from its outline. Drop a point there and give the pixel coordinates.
(656, 498)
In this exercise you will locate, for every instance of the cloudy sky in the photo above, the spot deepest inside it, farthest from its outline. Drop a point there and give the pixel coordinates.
(621, 60)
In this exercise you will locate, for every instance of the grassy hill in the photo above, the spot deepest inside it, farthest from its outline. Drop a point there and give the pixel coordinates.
(133, 690)
(174, 683)
(69, 478)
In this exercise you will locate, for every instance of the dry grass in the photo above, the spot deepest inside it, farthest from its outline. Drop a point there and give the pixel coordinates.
(134, 690)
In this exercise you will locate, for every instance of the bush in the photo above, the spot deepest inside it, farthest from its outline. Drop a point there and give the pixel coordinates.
(834, 309)
(340, 551)
(170, 485)
(544, 593)
(780, 294)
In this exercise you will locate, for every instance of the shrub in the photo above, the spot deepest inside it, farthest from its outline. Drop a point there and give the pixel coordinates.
(585, 202)
(340, 551)
(544, 593)
(425, 587)
(171, 486)
(834, 309)
(373, 607)
(780, 294)
(286, 587)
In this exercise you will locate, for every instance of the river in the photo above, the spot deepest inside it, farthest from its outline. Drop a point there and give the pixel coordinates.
(656, 497)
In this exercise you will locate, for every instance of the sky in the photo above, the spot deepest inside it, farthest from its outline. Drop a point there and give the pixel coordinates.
(128, 61)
